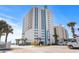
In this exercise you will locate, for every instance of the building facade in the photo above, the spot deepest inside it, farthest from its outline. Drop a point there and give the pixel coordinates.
(37, 25)
(61, 33)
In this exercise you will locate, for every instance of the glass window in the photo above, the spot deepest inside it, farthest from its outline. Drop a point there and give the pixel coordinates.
(36, 36)
(36, 18)
(43, 22)
(43, 19)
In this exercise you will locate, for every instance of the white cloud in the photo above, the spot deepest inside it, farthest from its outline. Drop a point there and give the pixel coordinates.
(7, 16)
(76, 27)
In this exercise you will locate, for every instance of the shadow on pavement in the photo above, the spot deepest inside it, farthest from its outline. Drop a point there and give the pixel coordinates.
(5, 50)
(75, 48)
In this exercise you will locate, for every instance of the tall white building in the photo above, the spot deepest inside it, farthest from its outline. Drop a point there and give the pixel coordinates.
(37, 25)
(61, 33)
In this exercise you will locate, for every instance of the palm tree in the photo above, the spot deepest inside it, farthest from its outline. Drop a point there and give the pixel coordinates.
(2, 25)
(72, 24)
(8, 29)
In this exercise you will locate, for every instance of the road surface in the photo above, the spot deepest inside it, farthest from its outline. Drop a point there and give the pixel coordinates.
(41, 49)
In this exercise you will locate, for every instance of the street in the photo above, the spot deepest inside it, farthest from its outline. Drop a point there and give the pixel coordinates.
(40, 49)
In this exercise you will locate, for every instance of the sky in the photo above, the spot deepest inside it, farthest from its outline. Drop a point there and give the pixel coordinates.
(14, 14)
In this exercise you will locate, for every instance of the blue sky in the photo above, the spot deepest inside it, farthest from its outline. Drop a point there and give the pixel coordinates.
(61, 14)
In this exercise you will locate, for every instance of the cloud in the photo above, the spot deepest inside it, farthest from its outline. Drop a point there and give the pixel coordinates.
(7, 16)
(76, 29)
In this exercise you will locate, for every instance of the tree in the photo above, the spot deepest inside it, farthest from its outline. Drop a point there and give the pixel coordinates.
(8, 29)
(2, 25)
(5, 29)
(71, 25)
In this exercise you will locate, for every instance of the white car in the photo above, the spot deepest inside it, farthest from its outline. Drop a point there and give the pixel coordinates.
(74, 43)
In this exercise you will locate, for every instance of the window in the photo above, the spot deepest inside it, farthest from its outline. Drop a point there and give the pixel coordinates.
(36, 36)
(36, 18)
(43, 19)
(43, 24)
(36, 33)
(43, 36)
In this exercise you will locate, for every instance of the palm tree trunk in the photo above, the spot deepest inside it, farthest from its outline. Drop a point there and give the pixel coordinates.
(73, 32)
(0, 38)
(6, 38)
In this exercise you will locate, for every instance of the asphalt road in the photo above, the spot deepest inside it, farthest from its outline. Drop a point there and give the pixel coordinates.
(41, 49)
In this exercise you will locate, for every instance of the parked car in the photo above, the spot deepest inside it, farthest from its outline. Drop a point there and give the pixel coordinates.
(73, 43)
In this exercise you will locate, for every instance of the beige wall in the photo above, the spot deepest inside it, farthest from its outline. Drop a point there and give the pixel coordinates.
(61, 32)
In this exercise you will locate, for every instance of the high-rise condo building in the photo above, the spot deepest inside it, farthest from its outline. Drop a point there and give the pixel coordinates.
(61, 32)
(37, 25)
